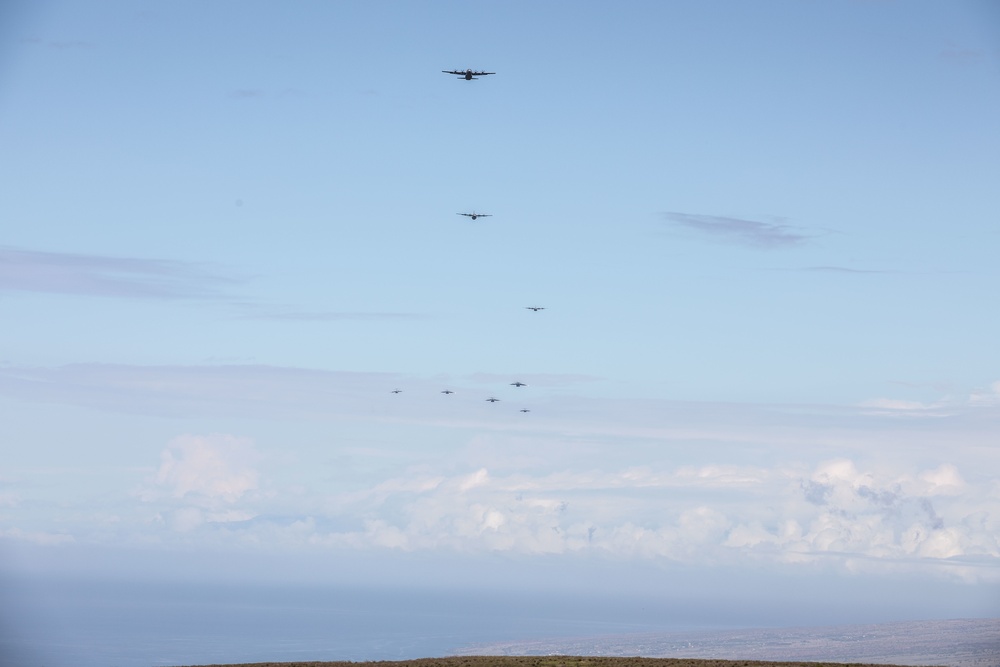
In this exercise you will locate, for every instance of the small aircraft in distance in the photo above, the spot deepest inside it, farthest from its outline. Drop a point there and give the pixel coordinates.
(518, 384)
(475, 215)
(468, 74)
(535, 308)
(525, 410)
(397, 391)
(447, 391)
(492, 400)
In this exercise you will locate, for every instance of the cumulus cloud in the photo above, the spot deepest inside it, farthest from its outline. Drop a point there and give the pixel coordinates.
(739, 230)
(870, 515)
(943, 480)
(204, 480)
(837, 511)
(100, 275)
(205, 469)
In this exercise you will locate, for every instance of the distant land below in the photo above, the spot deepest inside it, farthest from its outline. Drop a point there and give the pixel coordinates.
(549, 661)
(955, 643)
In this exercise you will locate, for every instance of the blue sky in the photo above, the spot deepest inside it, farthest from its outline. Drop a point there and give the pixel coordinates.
(764, 234)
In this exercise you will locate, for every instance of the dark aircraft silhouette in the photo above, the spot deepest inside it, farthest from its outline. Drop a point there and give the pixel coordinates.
(525, 410)
(447, 391)
(468, 74)
(475, 215)
(518, 384)
(492, 400)
(397, 391)
(535, 308)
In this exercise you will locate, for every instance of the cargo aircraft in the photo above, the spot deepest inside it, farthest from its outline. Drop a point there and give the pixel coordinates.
(468, 74)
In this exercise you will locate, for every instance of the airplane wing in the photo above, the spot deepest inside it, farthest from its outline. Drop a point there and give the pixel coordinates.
(482, 73)
(451, 71)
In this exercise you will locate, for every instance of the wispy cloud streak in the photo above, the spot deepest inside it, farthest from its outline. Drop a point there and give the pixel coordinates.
(99, 275)
(256, 312)
(739, 230)
(841, 269)
(246, 94)
(60, 44)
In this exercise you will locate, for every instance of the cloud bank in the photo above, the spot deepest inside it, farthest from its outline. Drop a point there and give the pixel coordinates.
(857, 519)
(885, 486)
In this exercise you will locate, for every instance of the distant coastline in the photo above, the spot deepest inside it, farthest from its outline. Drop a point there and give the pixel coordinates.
(955, 643)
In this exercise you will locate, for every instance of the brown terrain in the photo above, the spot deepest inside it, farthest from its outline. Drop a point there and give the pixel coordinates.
(554, 661)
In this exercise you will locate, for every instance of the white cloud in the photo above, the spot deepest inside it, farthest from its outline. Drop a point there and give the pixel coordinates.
(203, 480)
(205, 468)
(478, 478)
(619, 479)
(943, 480)
(859, 513)
(185, 519)
(896, 404)
(931, 519)
(986, 397)
(836, 511)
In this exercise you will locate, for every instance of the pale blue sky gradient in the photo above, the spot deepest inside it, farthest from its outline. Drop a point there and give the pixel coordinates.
(765, 234)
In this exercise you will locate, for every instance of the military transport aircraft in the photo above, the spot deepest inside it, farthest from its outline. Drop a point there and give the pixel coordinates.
(492, 400)
(535, 308)
(518, 384)
(475, 215)
(447, 391)
(525, 410)
(468, 74)
(397, 391)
